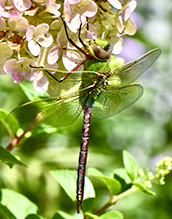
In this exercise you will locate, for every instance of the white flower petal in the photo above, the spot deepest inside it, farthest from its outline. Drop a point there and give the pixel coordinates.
(117, 48)
(22, 5)
(53, 55)
(41, 83)
(34, 48)
(17, 23)
(70, 59)
(46, 40)
(115, 3)
(41, 29)
(90, 8)
(30, 32)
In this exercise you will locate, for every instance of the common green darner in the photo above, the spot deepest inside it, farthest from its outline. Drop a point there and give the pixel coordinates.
(100, 92)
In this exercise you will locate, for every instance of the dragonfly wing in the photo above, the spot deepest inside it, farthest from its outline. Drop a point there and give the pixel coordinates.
(49, 112)
(113, 101)
(129, 72)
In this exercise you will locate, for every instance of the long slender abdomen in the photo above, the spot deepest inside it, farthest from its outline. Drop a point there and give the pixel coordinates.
(83, 156)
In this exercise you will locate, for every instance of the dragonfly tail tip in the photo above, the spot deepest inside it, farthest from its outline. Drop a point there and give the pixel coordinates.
(79, 205)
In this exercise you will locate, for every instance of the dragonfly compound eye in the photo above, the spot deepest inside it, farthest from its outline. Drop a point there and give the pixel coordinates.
(107, 47)
(99, 53)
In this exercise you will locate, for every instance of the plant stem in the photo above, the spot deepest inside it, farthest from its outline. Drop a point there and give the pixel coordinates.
(122, 195)
(114, 199)
(15, 140)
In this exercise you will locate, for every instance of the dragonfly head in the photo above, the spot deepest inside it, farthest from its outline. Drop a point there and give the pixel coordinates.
(100, 49)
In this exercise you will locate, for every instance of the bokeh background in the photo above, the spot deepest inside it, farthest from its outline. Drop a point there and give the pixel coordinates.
(144, 130)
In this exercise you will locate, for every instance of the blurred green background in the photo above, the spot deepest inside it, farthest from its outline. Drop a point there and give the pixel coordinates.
(144, 129)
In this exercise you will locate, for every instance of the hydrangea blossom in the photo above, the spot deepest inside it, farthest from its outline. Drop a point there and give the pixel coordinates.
(8, 9)
(124, 22)
(38, 36)
(22, 5)
(115, 3)
(52, 7)
(6, 52)
(69, 57)
(73, 10)
(33, 30)
(3, 25)
(18, 24)
(18, 69)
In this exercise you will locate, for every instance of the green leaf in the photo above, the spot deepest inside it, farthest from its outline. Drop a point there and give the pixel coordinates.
(131, 166)
(11, 125)
(62, 215)
(87, 204)
(91, 216)
(94, 171)
(107, 215)
(144, 189)
(16, 205)
(112, 215)
(67, 180)
(121, 175)
(7, 158)
(113, 185)
(33, 216)
(3, 114)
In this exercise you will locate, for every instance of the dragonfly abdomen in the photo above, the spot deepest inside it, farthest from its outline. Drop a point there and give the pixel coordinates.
(83, 156)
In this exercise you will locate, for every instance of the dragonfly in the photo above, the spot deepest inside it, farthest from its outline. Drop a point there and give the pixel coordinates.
(101, 93)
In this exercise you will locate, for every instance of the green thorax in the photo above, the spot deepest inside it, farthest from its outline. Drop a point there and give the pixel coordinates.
(94, 69)
(91, 76)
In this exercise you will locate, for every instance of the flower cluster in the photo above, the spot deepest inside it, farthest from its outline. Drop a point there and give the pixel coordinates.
(32, 33)
(162, 168)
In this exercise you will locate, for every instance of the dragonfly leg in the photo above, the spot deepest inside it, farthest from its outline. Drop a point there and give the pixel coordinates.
(59, 80)
(41, 67)
(70, 40)
(73, 70)
(63, 78)
(79, 34)
(87, 24)
(83, 157)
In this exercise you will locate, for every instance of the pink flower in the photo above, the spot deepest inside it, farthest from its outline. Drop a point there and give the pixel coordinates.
(18, 69)
(38, 36)
(70, 58)
(52, 7)
(73, 9)
(21, 68)
(22, 5)
(39, 79)
(24, 26)
(124, 22)
(18, 24)
(8, 9)
(115, 3)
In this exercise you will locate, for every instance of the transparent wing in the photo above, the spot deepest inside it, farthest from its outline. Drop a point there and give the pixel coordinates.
(55, 88)
(129, 72)
(53, 111)
(63, 111)
(49, 112)
(114, 101)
